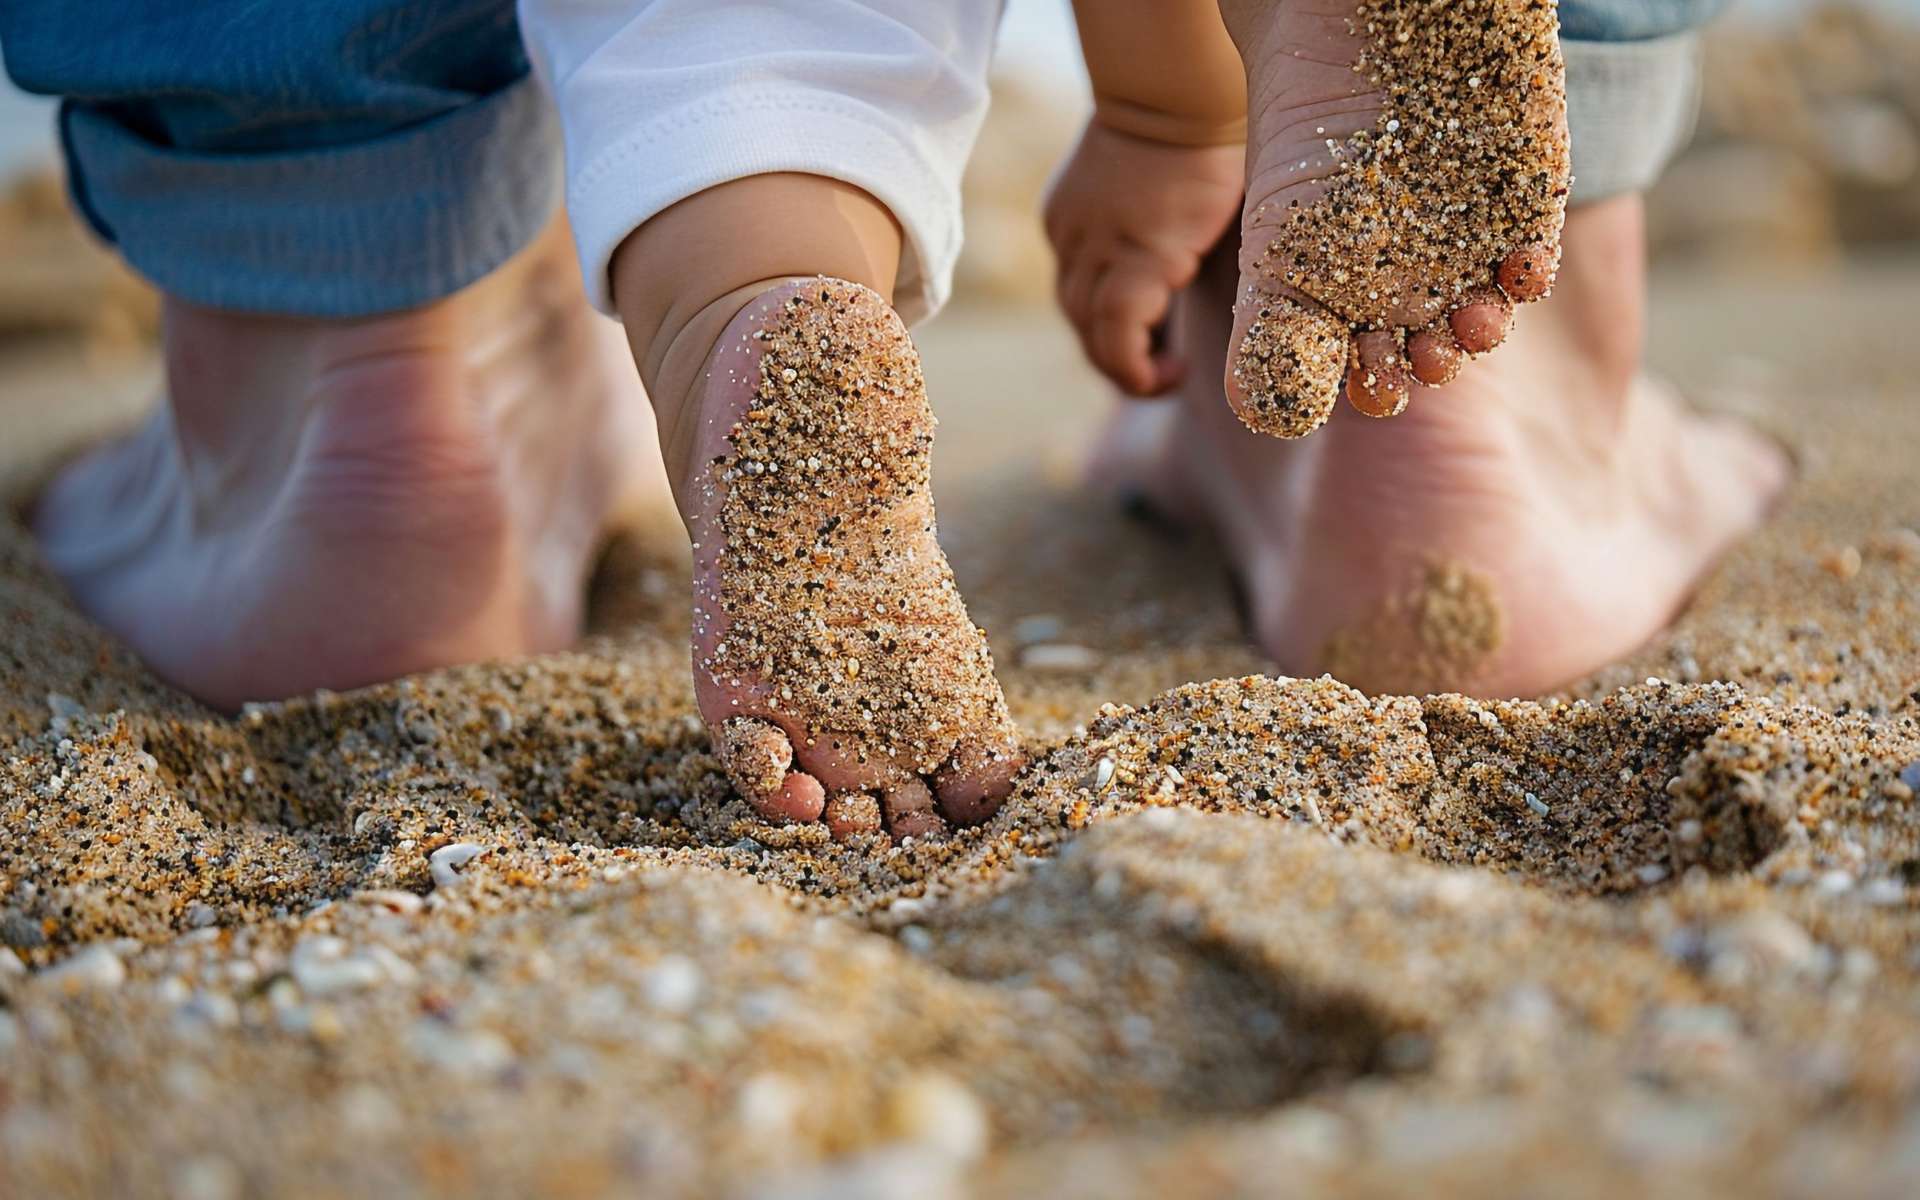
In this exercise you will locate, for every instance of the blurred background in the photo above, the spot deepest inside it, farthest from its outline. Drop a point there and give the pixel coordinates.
(1800, 193)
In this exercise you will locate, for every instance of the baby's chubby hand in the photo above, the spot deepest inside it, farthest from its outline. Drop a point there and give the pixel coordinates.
(1130, 219)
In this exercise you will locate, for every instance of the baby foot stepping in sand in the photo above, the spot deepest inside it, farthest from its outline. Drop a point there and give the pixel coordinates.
(834, 659)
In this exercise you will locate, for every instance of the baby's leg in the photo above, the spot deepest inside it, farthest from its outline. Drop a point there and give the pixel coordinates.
(833, 657)
(392, 429)
(756, 188)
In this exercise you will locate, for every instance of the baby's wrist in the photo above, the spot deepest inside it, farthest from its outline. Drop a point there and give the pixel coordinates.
(1188, 130)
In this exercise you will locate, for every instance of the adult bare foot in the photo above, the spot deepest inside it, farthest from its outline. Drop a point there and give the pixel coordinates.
(833, 656)
(334, 503)
(1407, 176)
(1547, 516)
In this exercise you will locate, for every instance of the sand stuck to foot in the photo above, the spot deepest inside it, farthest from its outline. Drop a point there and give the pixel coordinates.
(502, 930)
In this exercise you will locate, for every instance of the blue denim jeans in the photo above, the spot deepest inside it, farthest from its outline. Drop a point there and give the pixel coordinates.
(335, 158)
(349, 157)
(1632, 20)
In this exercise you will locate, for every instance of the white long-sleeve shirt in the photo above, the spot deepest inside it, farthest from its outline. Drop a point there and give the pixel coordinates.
(661, 99)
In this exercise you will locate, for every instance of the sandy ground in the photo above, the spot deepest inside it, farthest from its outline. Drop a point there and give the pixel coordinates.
(500, 930)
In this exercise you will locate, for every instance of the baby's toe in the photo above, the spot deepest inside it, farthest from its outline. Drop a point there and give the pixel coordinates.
(1433, 356)
(758, 759)
(1289, 361)
(1481, 321)
(907, 808)
(1527, 273)
(1378, 383)
(848, 815)
(978, 777)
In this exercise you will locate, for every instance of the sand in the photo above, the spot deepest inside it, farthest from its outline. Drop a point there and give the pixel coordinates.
(502, 930)
(1660, 933)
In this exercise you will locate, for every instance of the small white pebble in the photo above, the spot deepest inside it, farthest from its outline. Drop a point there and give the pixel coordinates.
(1833, 883)
(1884, 891)
(1059, 657)
(321, 966)
(673, 984)
(768, 1107)
(1100, 775)
(472, 1052)
(97, 966)
(392, 899)
(1159, 820)
(207, 1177)
(938, 1113)
(445, 863)
(916, 939)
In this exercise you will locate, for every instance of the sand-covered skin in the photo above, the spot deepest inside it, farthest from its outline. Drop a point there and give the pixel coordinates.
(833, 601)
(1453, 198)
(1290, 365)
(1442, 628)
(1646, 935)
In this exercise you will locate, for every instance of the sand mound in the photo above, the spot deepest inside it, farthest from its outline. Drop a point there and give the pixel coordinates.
(502, 929)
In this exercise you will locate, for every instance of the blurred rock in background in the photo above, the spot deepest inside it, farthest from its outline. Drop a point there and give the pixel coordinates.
(1029, 130)
(59, 281)
(1808, 143)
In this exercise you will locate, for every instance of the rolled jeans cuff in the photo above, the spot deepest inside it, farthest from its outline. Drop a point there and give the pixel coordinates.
(339, 231)
(1631, 106)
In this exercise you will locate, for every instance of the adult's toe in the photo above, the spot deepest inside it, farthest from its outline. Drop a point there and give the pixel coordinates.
(758, 759)
(976, 780)
(851, 814)
(907, 808)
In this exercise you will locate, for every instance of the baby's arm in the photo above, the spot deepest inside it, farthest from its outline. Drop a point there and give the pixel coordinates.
(1155, 181)
(1164, 70)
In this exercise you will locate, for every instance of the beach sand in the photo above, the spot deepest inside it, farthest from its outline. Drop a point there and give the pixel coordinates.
(502, 930)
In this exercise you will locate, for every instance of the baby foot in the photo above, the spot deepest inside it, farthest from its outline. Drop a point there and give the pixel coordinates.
(1407, 179)
(833, 657)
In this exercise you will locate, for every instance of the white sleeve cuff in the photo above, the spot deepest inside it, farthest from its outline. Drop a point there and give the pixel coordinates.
(734, 133)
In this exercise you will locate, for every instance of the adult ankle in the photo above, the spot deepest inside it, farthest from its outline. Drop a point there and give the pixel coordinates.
(1600, 297)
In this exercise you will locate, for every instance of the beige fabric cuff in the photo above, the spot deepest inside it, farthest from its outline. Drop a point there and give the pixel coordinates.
(1631, 106)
